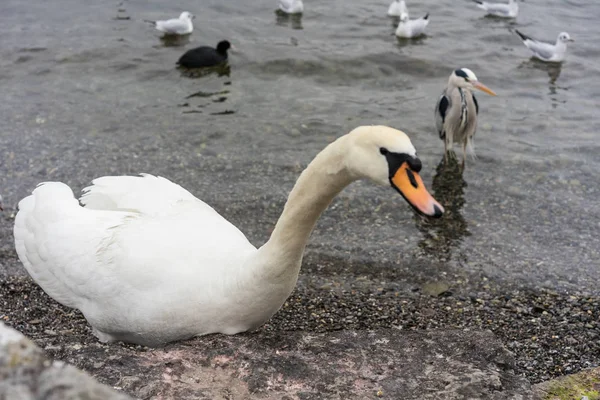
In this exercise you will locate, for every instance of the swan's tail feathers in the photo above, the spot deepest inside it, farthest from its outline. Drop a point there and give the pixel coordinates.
(48, 205)
(67, 249)
(145, 194)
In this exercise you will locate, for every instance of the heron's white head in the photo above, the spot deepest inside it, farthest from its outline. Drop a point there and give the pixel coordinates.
(564, 37)
(466, 79)
(186, 16)
(387, 156)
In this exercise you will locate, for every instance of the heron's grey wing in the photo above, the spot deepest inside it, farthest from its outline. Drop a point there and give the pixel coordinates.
(441, 110)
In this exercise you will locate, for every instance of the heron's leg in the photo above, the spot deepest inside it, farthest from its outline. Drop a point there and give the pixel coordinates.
(445, 151)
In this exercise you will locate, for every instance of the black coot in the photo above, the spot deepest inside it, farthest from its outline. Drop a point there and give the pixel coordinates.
(205, 56)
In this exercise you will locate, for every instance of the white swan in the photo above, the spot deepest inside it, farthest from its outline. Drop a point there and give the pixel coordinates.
(147, 262)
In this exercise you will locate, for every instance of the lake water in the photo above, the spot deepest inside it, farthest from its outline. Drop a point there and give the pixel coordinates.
(90, 89)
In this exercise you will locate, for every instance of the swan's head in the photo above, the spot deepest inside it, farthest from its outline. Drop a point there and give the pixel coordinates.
(386, 156)
(466, 79)
(564, 37)
(186, 16)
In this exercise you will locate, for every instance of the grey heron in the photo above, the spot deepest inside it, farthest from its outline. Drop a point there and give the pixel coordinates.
(457, 109)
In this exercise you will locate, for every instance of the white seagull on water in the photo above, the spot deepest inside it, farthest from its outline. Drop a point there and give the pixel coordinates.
(504, 10)
(410, 28)
(176, 26)
(547, 51)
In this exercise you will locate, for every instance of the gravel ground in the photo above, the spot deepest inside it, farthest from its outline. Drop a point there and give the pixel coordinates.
(551, 334)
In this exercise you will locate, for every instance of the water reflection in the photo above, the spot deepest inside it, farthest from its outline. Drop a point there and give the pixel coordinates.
(440, 236)
(552, 69)
(175, 40)
(418, 40)
(219, 70)
(292, 20)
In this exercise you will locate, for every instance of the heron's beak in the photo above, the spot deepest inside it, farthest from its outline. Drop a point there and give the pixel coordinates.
(411, 187)
(483, 88)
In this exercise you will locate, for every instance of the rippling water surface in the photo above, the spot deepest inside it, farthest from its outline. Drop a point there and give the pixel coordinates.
(90, 89)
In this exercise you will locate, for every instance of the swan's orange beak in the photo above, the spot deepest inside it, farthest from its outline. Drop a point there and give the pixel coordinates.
(411, 187)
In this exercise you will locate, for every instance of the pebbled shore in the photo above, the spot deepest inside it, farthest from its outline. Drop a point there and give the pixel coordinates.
(550, 334)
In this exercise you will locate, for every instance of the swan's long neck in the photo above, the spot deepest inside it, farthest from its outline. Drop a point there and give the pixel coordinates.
(279, 259)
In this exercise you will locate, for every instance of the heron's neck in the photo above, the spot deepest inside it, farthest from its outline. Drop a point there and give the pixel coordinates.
(279, 259)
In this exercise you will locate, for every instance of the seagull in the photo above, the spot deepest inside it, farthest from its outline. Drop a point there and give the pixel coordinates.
(176, 26)
(546, 51)
(396, 8)
(457, 109)
(408, 28)
(291, 6)
(504, 10)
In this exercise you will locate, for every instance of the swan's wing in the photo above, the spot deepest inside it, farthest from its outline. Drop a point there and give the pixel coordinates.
(145, 194)
(97, 260)
(176, 26)
(539, 49)
(58, 241)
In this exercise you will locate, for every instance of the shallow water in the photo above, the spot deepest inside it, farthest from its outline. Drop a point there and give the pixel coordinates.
(90, 90)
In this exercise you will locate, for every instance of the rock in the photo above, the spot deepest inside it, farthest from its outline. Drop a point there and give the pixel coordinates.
(435, 288)
(582, 385)
(27, 374)
(386, 364)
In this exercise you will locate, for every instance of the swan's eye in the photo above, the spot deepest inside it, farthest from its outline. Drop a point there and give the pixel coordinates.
(383, 151)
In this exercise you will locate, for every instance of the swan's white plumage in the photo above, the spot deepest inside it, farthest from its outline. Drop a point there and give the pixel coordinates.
(101, 254)
(149, 263)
